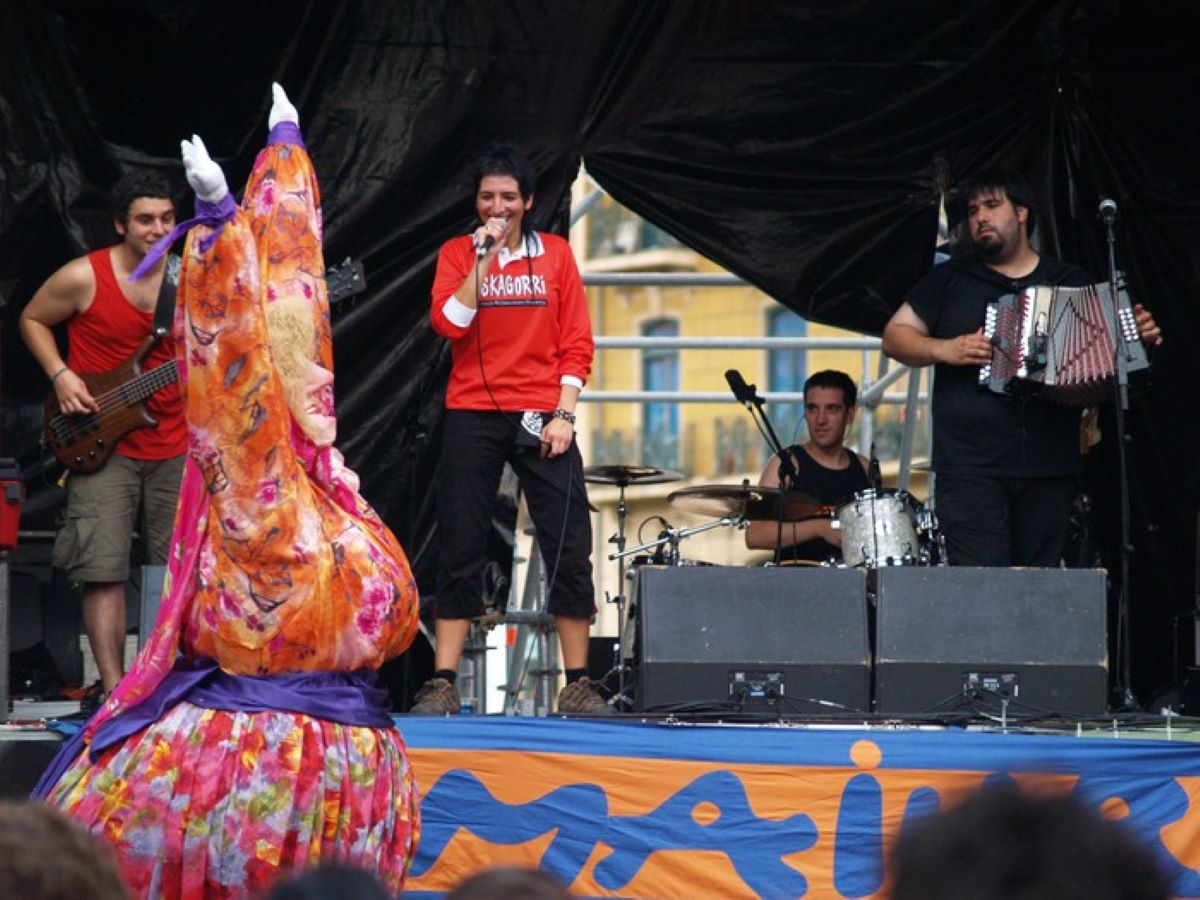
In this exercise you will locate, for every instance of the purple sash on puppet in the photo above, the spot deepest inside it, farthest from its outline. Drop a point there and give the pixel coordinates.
(286, 133)
(214, 215)
(350, 698)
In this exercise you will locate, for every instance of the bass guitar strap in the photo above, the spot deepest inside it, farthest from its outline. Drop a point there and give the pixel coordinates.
(164, 309)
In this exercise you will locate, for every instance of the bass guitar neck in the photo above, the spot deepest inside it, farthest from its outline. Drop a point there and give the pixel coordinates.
(84, 442)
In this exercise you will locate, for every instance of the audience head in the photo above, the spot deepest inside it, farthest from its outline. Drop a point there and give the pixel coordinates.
(328, 881)
(45, 855)
(1001, 844)
(510, 883)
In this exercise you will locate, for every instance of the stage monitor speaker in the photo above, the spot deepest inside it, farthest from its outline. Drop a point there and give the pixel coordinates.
(151, 594)
(789, 639)
(950, 637)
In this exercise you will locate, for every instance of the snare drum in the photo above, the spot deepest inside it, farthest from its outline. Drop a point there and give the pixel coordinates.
(880, 528)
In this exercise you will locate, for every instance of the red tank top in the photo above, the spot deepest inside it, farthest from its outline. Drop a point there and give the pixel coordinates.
(107, 334)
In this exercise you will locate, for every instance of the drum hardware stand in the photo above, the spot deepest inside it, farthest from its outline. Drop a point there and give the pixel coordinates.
(620, 599)
(747, 395)
(622, 476)
(1124, 688)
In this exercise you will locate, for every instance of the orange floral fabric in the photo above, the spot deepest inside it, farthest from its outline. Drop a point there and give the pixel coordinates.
(296, 571)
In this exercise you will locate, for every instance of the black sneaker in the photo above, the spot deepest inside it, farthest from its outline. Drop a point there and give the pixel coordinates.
(437, 697)
(583, 698)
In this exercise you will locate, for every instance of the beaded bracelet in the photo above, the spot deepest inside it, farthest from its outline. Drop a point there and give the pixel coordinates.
(565, 415)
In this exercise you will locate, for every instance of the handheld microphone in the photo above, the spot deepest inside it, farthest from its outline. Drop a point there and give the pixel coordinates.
(742, 392)
(489, 241)
(1108, 210)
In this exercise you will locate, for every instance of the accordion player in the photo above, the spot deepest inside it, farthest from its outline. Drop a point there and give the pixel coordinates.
(1058, 343)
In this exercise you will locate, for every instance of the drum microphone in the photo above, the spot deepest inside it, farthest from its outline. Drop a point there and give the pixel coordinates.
(744, 393)
(873, 473)
(1108, 210)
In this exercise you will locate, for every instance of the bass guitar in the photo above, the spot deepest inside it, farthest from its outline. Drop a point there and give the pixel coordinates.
(83, 442)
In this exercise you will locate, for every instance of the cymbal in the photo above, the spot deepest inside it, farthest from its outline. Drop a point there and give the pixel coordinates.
(746, 501)
(626, 475)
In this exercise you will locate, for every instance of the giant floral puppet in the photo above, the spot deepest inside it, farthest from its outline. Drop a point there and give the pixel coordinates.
(250, 736)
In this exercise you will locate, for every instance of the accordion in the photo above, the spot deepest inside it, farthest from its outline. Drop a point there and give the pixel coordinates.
(1058, 343)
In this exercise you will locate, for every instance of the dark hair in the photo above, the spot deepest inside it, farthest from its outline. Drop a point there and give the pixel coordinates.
(510, 883)
(328, 881)
(505, 159)
(834, 380)
(46, 854)
(987, 181)
(140, 183)
(1001, 843)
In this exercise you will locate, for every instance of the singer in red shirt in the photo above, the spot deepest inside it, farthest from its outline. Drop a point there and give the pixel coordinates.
(511, 301)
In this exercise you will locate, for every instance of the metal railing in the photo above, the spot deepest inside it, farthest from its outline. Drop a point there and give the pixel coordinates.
(872, 395)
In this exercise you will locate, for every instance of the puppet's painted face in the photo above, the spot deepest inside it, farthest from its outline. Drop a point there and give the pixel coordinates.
(307, 385)
(317, 419)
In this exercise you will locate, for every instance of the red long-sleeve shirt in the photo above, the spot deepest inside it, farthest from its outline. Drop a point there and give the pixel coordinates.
(532, 324)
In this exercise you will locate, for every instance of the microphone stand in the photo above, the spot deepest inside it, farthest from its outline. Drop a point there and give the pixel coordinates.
(1124, 688)
(787, 468)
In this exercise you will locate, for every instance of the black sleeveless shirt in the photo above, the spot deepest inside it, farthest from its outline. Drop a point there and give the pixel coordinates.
(831, 487)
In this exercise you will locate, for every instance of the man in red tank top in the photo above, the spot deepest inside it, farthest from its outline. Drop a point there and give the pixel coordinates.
(107, 318)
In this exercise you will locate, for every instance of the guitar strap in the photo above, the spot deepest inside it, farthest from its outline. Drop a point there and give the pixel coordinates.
(164, 309)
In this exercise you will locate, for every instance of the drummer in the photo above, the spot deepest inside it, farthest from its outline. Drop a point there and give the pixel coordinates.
(824, 468)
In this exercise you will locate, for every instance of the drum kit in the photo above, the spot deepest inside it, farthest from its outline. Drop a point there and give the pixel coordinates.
(879, 526)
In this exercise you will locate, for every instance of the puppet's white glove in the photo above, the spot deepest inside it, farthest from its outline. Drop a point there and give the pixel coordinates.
(282, 109)
(204, 175)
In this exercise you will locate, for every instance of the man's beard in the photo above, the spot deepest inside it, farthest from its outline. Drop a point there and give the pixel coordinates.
(991, 246)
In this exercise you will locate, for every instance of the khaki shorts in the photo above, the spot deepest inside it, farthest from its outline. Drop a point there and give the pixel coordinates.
(102, 510)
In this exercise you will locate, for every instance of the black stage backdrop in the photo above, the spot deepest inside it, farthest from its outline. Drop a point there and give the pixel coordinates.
(801, 144)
